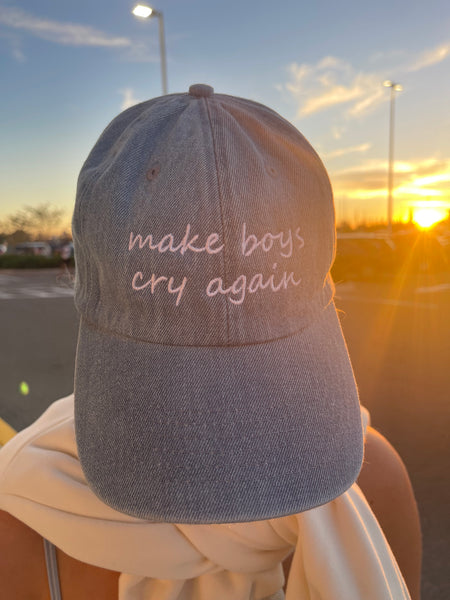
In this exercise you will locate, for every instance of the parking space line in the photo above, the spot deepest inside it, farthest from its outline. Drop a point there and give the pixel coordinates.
(387, 301)
(61, 291)
(35, 294)
(432, 289)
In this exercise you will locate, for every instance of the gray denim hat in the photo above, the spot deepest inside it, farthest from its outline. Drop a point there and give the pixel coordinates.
(212, 381)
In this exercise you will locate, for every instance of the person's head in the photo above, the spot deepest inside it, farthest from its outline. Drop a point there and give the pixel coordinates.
(212, 379)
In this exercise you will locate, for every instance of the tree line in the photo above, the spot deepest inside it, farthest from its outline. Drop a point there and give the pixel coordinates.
(36, 223)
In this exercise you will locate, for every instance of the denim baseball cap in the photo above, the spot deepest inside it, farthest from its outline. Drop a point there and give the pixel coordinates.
(212, 381)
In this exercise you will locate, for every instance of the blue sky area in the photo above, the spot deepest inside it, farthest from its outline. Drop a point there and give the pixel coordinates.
(69, 67)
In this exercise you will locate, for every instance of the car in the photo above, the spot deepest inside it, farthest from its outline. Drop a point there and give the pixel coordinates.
(34, 248)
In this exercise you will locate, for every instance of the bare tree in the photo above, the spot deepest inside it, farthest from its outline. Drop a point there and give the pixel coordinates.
(39, 221)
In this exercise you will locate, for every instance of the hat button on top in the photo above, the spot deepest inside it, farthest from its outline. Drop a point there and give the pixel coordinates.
(201, 90)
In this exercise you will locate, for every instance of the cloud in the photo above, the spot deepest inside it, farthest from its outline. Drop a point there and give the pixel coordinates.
(337, 131)
(344, 151)
(128, 98)
(18, 54)
(388, 56)
(71, 34)
(333, 82)
(15, 44)
(431, 57)
(424, 178)
(332, 62)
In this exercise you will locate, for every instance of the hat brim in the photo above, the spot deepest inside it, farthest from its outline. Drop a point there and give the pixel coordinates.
(218, 434)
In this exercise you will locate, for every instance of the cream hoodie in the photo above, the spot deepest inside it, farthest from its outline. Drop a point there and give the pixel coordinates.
(340, 552)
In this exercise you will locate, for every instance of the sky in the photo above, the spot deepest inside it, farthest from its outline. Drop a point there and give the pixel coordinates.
(67, 68)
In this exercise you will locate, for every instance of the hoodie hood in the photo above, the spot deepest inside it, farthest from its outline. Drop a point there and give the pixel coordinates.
(339, 549)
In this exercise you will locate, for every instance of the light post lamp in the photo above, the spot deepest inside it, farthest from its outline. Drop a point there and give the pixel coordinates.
(145, 12)
(395, 87)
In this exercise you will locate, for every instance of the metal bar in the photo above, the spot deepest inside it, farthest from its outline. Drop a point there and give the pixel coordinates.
(391, 160)
(162, 47)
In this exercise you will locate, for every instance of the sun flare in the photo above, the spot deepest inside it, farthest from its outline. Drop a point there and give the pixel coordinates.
(427, 217)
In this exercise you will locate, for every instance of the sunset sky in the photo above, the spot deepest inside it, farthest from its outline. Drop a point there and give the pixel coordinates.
(67, 68)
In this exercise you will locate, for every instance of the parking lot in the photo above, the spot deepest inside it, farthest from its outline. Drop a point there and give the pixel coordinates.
(398, 335)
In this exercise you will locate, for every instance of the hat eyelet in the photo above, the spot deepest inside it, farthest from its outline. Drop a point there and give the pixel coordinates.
(153, 172)
(272, 171)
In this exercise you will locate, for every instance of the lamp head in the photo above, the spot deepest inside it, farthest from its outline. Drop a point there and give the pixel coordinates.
(143, 11)
(391, 84)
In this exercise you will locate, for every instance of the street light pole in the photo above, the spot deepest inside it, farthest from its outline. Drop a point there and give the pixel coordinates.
(395, 87)
(146, 12)
(162, 52)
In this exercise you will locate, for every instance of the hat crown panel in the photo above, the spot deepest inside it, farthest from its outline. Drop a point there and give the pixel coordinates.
(203, 222)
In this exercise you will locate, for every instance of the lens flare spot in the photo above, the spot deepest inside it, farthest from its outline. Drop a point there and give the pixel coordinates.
(24, 388)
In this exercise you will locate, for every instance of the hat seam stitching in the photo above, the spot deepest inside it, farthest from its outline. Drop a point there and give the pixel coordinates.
(221, 346)
(222, 221)
(80, 213)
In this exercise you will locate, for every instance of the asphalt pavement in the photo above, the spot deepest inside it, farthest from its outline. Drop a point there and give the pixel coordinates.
(398, 334)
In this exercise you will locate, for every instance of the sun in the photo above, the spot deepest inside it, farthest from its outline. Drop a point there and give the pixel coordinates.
(427, 217)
